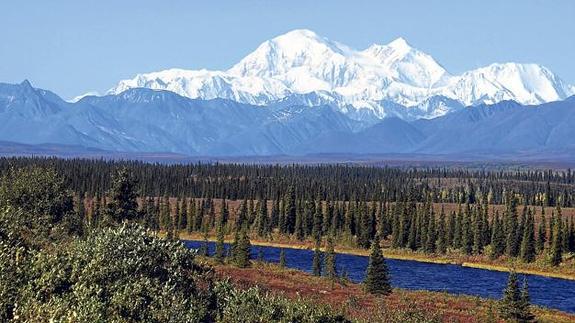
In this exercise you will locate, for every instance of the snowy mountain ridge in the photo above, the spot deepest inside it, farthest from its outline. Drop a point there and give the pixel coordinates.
(371, 82)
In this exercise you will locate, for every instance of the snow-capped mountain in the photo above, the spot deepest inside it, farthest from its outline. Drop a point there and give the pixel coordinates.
(302, 65)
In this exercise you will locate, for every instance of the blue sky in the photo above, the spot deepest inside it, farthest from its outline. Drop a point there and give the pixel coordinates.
(71, 47)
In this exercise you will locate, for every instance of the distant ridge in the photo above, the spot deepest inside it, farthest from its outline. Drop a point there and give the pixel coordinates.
(150, 121)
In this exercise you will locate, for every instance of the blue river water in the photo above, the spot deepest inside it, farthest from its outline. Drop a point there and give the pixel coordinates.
(549, 292)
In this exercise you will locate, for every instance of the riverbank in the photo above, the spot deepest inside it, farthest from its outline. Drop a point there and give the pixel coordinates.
(402, 305)
(565, 271)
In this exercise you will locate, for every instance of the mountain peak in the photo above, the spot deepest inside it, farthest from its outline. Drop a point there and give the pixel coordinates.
(299, 33)
(26, 84)
(295, 49)
(400, 44)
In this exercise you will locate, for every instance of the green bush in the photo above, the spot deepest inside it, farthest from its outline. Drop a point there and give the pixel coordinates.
(121, 274)
(254, 305)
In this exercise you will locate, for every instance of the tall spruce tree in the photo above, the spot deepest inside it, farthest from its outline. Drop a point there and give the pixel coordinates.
(203, 250)
(220, 252)
(442, 235)
(512, 241)
(224, 213)
(262, 220)
(525, 304)
(458, 230)
(274, 216)
(330, 262)
(497, 238)
(450, 234)
(123, 205)
(509, 304)
(478, 233)
(242, 250)
(431, 235)
(514, 305)
(96, 212)
(317, 259)
(541, 233)
(290, 212)
(556, 252)
(377, 279)
(528, 241)
(317, 221)
(466, 233)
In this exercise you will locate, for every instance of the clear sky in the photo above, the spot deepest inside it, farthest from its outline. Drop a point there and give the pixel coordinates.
(72, 47)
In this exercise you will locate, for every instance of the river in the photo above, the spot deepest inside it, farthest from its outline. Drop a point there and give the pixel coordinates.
(408, 274)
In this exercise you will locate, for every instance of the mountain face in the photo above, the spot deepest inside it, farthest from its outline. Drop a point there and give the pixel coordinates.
(145, 120)
(393, 80)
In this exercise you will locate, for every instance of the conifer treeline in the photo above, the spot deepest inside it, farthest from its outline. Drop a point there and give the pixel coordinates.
(473, 229)
(350, 204)
(325, 182)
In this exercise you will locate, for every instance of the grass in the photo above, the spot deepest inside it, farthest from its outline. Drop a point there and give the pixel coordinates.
(402, 305)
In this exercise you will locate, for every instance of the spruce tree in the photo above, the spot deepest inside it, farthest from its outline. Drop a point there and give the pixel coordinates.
(224, 213)
(363, 228)
(123, 205)
(528, 241)
(316, 265)
(565, 236)
(290, 212)
(458, 230)
(478, 233)
(556, 252)
(512, 242)
(262, 221)
(514, 306)
(466, 234)
(191, 211)
(377, 280)
(327, 218)
(80, 208)
(551, 227)
(317, 222)
(220, 247)
(441, 233)
(450, 234)
(541, 233)
(203, 251)
(412, 239)
(199, 218)
(509, 306)
(525, 304)
(497, 238)
(151, 215)
(274, 216)
(242, 250)
(96, 212)
(431, 235)
(571, 236)
(396, 229)
(299, 229)
(177, 215)
(242, 215)
(330, 262)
